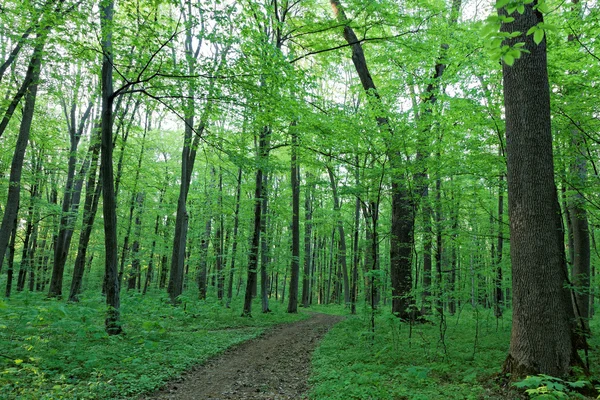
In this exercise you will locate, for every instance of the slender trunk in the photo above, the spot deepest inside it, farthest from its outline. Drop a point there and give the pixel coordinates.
(262, 155)
(427, 251)
(135, 273)
(264, 244)
(295, 180)
(498, 292)
(236, 221)
(111, 278)
(14, 187)
(308, 257)
(219, 244)
(70, 204)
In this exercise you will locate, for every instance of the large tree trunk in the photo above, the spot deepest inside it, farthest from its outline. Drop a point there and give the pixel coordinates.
(111, 277)
(542, 338)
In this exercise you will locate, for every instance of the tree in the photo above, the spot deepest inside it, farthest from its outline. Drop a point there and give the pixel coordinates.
(111, 276)
(542, 339)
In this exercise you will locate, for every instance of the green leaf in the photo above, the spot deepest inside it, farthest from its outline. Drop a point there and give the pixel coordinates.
(531, 30)
(538, 36)
(509, 59)
(501, 3)
(521, 8)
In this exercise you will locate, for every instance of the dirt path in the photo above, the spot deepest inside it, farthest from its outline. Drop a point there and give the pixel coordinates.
(274, 366)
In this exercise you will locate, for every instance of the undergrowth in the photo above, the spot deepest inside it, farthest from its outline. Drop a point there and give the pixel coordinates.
(398, 361)
(50, 349)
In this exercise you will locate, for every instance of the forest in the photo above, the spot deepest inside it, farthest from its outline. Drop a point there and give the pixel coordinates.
(383, 199)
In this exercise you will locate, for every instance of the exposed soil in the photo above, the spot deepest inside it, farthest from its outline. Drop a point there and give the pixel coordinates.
(275, 366)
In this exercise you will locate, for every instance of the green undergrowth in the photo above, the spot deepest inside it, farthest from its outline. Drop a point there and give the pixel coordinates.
(398, 361)
(51, 349)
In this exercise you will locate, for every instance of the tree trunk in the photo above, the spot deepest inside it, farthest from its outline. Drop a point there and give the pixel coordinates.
(542, 339)
(72, 194)
(264, 247)
(261, 157)
(16, 168)
(341, 234)
(11, 261)
(295, 180)
(427, 251)
(111, 278)
(308, 209)
(236, 221)
(93, 192)
(498, 291)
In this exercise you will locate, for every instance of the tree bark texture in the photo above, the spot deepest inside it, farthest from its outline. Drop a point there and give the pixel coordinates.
(111, 277)
(542, 337)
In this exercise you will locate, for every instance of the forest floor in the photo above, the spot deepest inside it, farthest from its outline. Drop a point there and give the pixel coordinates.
(274, 366)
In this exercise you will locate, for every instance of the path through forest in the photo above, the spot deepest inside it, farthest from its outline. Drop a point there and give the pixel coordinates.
(274, 366)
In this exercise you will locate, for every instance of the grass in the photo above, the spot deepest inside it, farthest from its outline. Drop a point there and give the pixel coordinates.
(400, 362)
(50, 349)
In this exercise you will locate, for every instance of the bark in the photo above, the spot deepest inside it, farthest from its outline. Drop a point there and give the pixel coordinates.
(498, 292)
(542, 337)
(135, 275)
(11, 260)
(71, 197)
(439, 245)
(203, 266)
(150, 270)
(219, 244)
(295, 180)
(262, 154)
(236, 221)
(16, 169)
(308, 209)
(355, 252)
(341, 234)
(427, 251)
(401, 240)
(93, 189)
(264, 244)
(111, 277)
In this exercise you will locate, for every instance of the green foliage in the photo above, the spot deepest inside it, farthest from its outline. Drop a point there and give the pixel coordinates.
(53, 350)
(400, 362)
(549, 387)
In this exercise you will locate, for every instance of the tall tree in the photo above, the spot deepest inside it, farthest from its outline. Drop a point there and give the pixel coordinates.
(542, 338)
(111, 276)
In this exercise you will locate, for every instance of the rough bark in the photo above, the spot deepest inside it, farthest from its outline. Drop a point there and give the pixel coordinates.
(542, 337)
(111, 278)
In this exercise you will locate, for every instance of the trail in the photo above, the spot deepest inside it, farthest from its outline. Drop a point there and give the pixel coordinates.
(275, 366)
